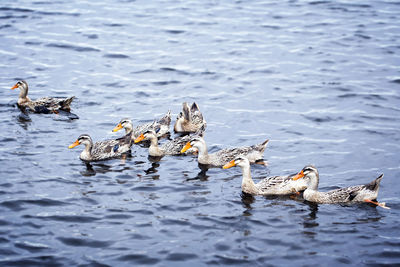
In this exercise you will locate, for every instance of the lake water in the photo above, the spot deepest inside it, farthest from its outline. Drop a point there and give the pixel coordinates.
(320, 79)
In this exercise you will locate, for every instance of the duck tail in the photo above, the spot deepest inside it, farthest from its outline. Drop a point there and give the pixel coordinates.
(166, 119)
(194, 107)
(65, 104)
(374, 185)
(186, 111)
(263, 145)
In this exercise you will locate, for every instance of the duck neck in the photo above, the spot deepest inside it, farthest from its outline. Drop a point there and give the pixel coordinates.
(311, 193)
(87, 151)
(23, 91)
(23, 98)
(202, 152)
(128, 128)
(178, 125)
(154, 150)
(248, 185)
(314, 181)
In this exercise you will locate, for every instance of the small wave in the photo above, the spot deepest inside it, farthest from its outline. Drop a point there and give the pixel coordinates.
(113, 24)
(74, 47)
(175, 222)
(319, 2)
(322, 119)
(66, 218)
(5, 26)
(273, 27)
(363, 36)
(31, 247)
(79, 242)
(181, 256)
(166, 69)
(41, 260)
(16, 9)
(396, 81)
(115, 56)
(138, 259)
(161, 83)
(175, 31)
(114, 85)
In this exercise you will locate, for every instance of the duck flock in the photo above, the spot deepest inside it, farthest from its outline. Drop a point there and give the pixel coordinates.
(191, 124)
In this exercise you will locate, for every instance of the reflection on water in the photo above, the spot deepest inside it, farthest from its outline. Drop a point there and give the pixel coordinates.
(154, 166)
(310, 220)
(247, 200)
(202, 175)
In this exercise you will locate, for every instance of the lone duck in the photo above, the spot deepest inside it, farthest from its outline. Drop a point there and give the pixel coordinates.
(41, 105)
(358, 193)
(275, 185)
(102, 150)
(190, 119)
(253, 153)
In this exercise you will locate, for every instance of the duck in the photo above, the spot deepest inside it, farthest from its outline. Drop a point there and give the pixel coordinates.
(274, 185)
(358, 193)
(102, 150)
(253, 153)
(160, 126)
(41, 105)
(172, 147)
(190, 119)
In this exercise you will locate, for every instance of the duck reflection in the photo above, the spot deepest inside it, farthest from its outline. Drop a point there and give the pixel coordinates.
(202, 175)
(91, 168)
(23, 118)
(309, 221)
(247, 200)
(154, 165)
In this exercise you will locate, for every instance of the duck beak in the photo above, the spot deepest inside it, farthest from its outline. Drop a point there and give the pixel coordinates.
(76, 143)
(140, 138)
(230, 164)
(298, 176)
(118, 127)
(186, 147)
(15, 86)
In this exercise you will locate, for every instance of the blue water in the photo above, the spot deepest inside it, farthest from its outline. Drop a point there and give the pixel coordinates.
(320, 79)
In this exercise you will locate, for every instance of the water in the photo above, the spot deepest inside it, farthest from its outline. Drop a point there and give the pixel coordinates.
(319, 78)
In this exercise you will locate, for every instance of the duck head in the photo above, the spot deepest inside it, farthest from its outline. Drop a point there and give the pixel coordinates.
(84, 139)
(22, 86)
(238, 161)
(124, 123)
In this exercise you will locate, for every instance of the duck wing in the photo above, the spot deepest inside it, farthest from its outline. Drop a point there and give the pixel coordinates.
(51, 104)
(223, 156)
(273, 182)
(174, 147)
(196, 116)
(111, 148)
(143, 128)
(345, 194)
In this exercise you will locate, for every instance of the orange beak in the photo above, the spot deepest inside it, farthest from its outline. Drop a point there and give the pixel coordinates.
(117, 128)
(186, 147)
(15, 86)
(230, 164)
(298, 176)
(76, 143)
(140, 138)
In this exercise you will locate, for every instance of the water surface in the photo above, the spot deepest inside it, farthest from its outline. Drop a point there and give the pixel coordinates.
(320, 79)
